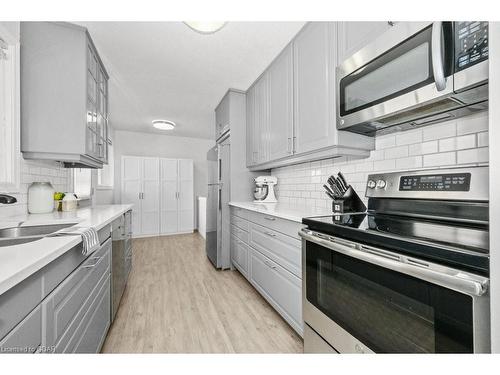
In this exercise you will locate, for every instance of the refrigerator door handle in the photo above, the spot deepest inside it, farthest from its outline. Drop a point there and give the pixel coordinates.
(220, 199)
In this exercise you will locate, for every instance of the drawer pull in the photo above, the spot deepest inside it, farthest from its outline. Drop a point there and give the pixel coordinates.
(270, 234)
(269, 265)
(269, 218)
(93, 264)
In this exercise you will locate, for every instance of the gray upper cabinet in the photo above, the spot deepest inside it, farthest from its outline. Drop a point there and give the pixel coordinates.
(258, 122)
(291, 108)
(281, 105)
(261, 116)
(352, 36)
(64, 95)
(251, 145)
(314, 107)
(222, 116)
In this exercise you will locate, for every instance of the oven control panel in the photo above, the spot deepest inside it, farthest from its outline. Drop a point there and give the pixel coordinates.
(436, 182)
(471, 43)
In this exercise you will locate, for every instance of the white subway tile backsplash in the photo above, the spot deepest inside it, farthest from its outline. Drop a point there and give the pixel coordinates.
(472, 124)
(32, 171)
(384, 165)
(457, 142)
(482, 139)
(438, 131)
(396, 152)
(411, 162)
(429, 147)
(409, 137)
(385, 141)
(441, 159)
(475, 155)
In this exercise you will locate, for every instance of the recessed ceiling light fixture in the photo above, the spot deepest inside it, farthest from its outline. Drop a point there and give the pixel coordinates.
(203, 27)
(163, 124)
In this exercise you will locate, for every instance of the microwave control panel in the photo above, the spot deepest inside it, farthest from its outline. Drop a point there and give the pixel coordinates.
(471, 43)
(436, 182)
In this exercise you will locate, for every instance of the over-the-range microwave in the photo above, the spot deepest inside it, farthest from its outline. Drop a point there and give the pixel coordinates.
(415, 74)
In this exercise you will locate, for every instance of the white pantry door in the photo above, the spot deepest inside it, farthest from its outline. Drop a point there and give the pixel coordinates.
(132, 188)
(169, 195)
(150, 196)
(186, 196)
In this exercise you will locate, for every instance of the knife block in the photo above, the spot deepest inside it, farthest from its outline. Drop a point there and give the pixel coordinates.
(350, 202)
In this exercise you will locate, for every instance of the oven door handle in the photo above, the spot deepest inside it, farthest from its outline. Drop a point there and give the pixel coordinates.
(460, 281)
(437, 56)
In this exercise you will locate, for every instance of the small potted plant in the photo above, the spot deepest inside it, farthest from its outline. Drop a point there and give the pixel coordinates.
(58, 197)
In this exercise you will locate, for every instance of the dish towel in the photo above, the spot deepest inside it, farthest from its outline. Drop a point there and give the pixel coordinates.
(90, 239)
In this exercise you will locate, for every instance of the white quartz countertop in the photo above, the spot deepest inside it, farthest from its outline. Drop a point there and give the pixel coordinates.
(283, 210)
(21, 261)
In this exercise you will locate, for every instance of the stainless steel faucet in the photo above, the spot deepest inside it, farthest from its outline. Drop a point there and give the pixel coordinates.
(7, 199)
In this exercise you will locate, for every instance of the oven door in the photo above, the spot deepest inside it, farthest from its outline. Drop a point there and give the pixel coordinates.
(407, 67)
(361, 299)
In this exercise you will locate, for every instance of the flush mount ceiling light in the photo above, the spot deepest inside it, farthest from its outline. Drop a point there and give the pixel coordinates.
(163, 124)
(203, 27)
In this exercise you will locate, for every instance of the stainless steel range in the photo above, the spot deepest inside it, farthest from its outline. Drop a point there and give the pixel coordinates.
(411, 275)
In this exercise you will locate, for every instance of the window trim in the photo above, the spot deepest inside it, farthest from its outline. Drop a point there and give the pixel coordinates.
(13, 43)
(111, 165)
(83, 197)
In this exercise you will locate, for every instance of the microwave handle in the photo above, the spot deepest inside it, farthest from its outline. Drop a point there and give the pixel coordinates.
(437, 56)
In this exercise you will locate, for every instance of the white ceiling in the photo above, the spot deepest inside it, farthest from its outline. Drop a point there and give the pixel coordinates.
(165, 70)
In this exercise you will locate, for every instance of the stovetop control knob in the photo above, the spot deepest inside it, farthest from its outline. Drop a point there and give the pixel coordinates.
(371, 184)
(381, 184)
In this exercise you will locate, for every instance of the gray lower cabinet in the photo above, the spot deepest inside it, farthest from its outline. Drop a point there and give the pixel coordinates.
(266, 250)
(26, 337)
(64, 307)
(69, 311)
(279, 287)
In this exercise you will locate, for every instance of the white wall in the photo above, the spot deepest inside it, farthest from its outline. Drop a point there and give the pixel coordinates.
(148, 144)
(448, 144)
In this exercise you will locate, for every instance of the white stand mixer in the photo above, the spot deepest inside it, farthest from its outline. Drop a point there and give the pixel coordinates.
(264, 190)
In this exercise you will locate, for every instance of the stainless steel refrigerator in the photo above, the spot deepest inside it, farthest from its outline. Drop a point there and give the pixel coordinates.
(218, 196)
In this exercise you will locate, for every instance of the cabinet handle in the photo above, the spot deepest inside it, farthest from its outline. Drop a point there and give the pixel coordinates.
(269, 265)
(269, 218)
(270, 234)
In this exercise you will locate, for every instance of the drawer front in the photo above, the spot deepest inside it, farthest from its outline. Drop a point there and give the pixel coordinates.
(290, 228)
(239, 255)
(18, 302)
(26, 337)
(61, 308)
(239, 233)
(279, 287)
(61, 268)
(282, 249)
(240, 212)
(104, 233)
(92, 332)
(239, 222)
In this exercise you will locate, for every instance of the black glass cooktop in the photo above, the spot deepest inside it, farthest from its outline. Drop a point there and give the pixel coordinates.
(461, 245)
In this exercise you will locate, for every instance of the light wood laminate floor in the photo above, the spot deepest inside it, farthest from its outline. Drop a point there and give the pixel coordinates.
(176, 302)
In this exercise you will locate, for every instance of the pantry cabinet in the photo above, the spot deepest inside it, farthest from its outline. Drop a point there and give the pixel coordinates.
(352, 36)
(161, 191)
(176, 196)
(291, 108)
(64, 95)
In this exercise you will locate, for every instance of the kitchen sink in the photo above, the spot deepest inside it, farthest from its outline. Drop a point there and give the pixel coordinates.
(19, 235)
(30, 231)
